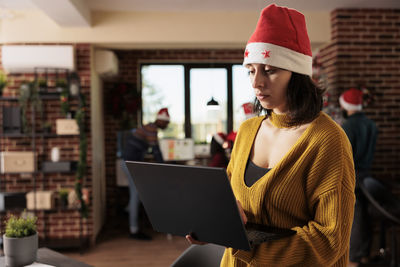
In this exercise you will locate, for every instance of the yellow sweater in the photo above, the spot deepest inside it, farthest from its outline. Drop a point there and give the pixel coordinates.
(311, 191)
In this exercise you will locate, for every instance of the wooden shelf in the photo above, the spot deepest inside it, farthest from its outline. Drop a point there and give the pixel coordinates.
(47, 96)
(45, 135)
(41, 210)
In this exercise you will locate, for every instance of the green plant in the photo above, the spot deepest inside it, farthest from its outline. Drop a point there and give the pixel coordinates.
(46, 126)
(42, 82)
(21, 227)
(64, 98)
(63, 193)
(81, 170)
(3, 81)
(61, 84)
(28, 92)
(24, 96)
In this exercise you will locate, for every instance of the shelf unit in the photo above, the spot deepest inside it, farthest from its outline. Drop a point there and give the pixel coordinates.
(38, 139)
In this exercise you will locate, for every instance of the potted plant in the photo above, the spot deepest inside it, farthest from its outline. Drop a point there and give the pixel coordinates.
(3, 81)
(46, 127)
(42, 85)
(61, 85)
(24, 96)
(20, 240)
(63, 194)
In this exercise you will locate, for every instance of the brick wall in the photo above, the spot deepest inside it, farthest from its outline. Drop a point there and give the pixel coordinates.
(365, 50)
(55, 224)
(129, 72)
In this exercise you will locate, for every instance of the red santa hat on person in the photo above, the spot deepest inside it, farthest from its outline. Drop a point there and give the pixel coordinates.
(163, 114)
(231, 136)
(220, 138)
(280, 40)
(351, 100)
(248, 110)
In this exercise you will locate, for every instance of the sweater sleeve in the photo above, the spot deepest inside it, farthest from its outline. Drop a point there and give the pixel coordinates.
(324, 239)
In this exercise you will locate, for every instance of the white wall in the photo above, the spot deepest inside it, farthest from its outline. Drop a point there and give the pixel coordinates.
(152, 29)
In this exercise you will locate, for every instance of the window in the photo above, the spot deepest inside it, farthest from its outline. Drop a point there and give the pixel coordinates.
(186, 89)
(242, 93)
(207, 83)
(163, 86)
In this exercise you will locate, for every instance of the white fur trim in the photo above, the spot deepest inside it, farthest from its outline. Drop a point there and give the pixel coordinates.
(162, 117)
(219, 139)
(280, 57)
(348, 106)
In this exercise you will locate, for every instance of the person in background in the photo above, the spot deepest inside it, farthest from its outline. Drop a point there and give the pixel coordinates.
(362, 133)
(136, 144)
(217, 150)
(230, 140)
(292, 167)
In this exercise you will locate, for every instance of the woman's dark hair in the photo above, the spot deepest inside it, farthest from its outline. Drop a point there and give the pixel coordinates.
(304, 100)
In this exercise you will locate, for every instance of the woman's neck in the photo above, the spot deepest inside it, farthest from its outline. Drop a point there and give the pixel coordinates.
(280, 120)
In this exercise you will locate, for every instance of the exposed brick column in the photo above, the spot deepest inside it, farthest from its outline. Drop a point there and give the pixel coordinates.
(365, 50)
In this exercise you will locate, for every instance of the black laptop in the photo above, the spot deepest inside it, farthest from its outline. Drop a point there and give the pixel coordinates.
(183, 200)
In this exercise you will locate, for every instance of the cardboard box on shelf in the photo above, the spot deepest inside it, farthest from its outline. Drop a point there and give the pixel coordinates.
(17, 162)
(66, 127)
(45, 200)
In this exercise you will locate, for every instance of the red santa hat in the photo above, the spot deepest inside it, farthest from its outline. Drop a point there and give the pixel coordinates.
(351, 100)
(163, 114)
(248, 110)
(231, 136)
(280, 40)
(220, 138)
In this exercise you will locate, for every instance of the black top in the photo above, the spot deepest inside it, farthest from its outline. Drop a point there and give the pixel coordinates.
(253, 173)
(362, 133)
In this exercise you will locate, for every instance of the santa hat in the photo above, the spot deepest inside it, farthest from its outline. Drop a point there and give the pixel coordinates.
(231, 136)
(280, 40)
(351, 100)
(248, 110)
(219, 138)
(163, 114)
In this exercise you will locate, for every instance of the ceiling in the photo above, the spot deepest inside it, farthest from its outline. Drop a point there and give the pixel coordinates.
(206, 5)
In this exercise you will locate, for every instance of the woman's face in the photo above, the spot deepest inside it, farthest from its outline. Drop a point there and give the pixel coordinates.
(270, 86)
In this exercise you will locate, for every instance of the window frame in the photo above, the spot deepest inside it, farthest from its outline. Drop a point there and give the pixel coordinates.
(187, 67)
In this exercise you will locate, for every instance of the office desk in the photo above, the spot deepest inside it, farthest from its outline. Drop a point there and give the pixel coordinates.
(51, 257)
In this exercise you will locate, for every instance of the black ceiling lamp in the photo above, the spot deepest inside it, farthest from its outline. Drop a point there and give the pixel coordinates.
(213, 104)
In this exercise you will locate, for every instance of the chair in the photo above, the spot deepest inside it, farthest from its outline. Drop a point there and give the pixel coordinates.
(388, 212)
(209, 255)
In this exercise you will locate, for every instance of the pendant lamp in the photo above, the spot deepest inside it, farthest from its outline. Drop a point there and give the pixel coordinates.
(213, 104)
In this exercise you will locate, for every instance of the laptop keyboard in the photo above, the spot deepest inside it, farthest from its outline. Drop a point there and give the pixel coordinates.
(257, 237)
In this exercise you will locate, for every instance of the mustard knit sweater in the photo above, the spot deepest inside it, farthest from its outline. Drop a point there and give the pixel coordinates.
(311, 191)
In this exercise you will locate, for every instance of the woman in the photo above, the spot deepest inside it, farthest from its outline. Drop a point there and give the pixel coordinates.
(293, 167)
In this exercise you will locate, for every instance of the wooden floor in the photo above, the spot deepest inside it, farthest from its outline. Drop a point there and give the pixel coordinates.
(121, 251)
(114, 248)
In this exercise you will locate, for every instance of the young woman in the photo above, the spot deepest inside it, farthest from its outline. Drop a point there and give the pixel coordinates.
(291, 168)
